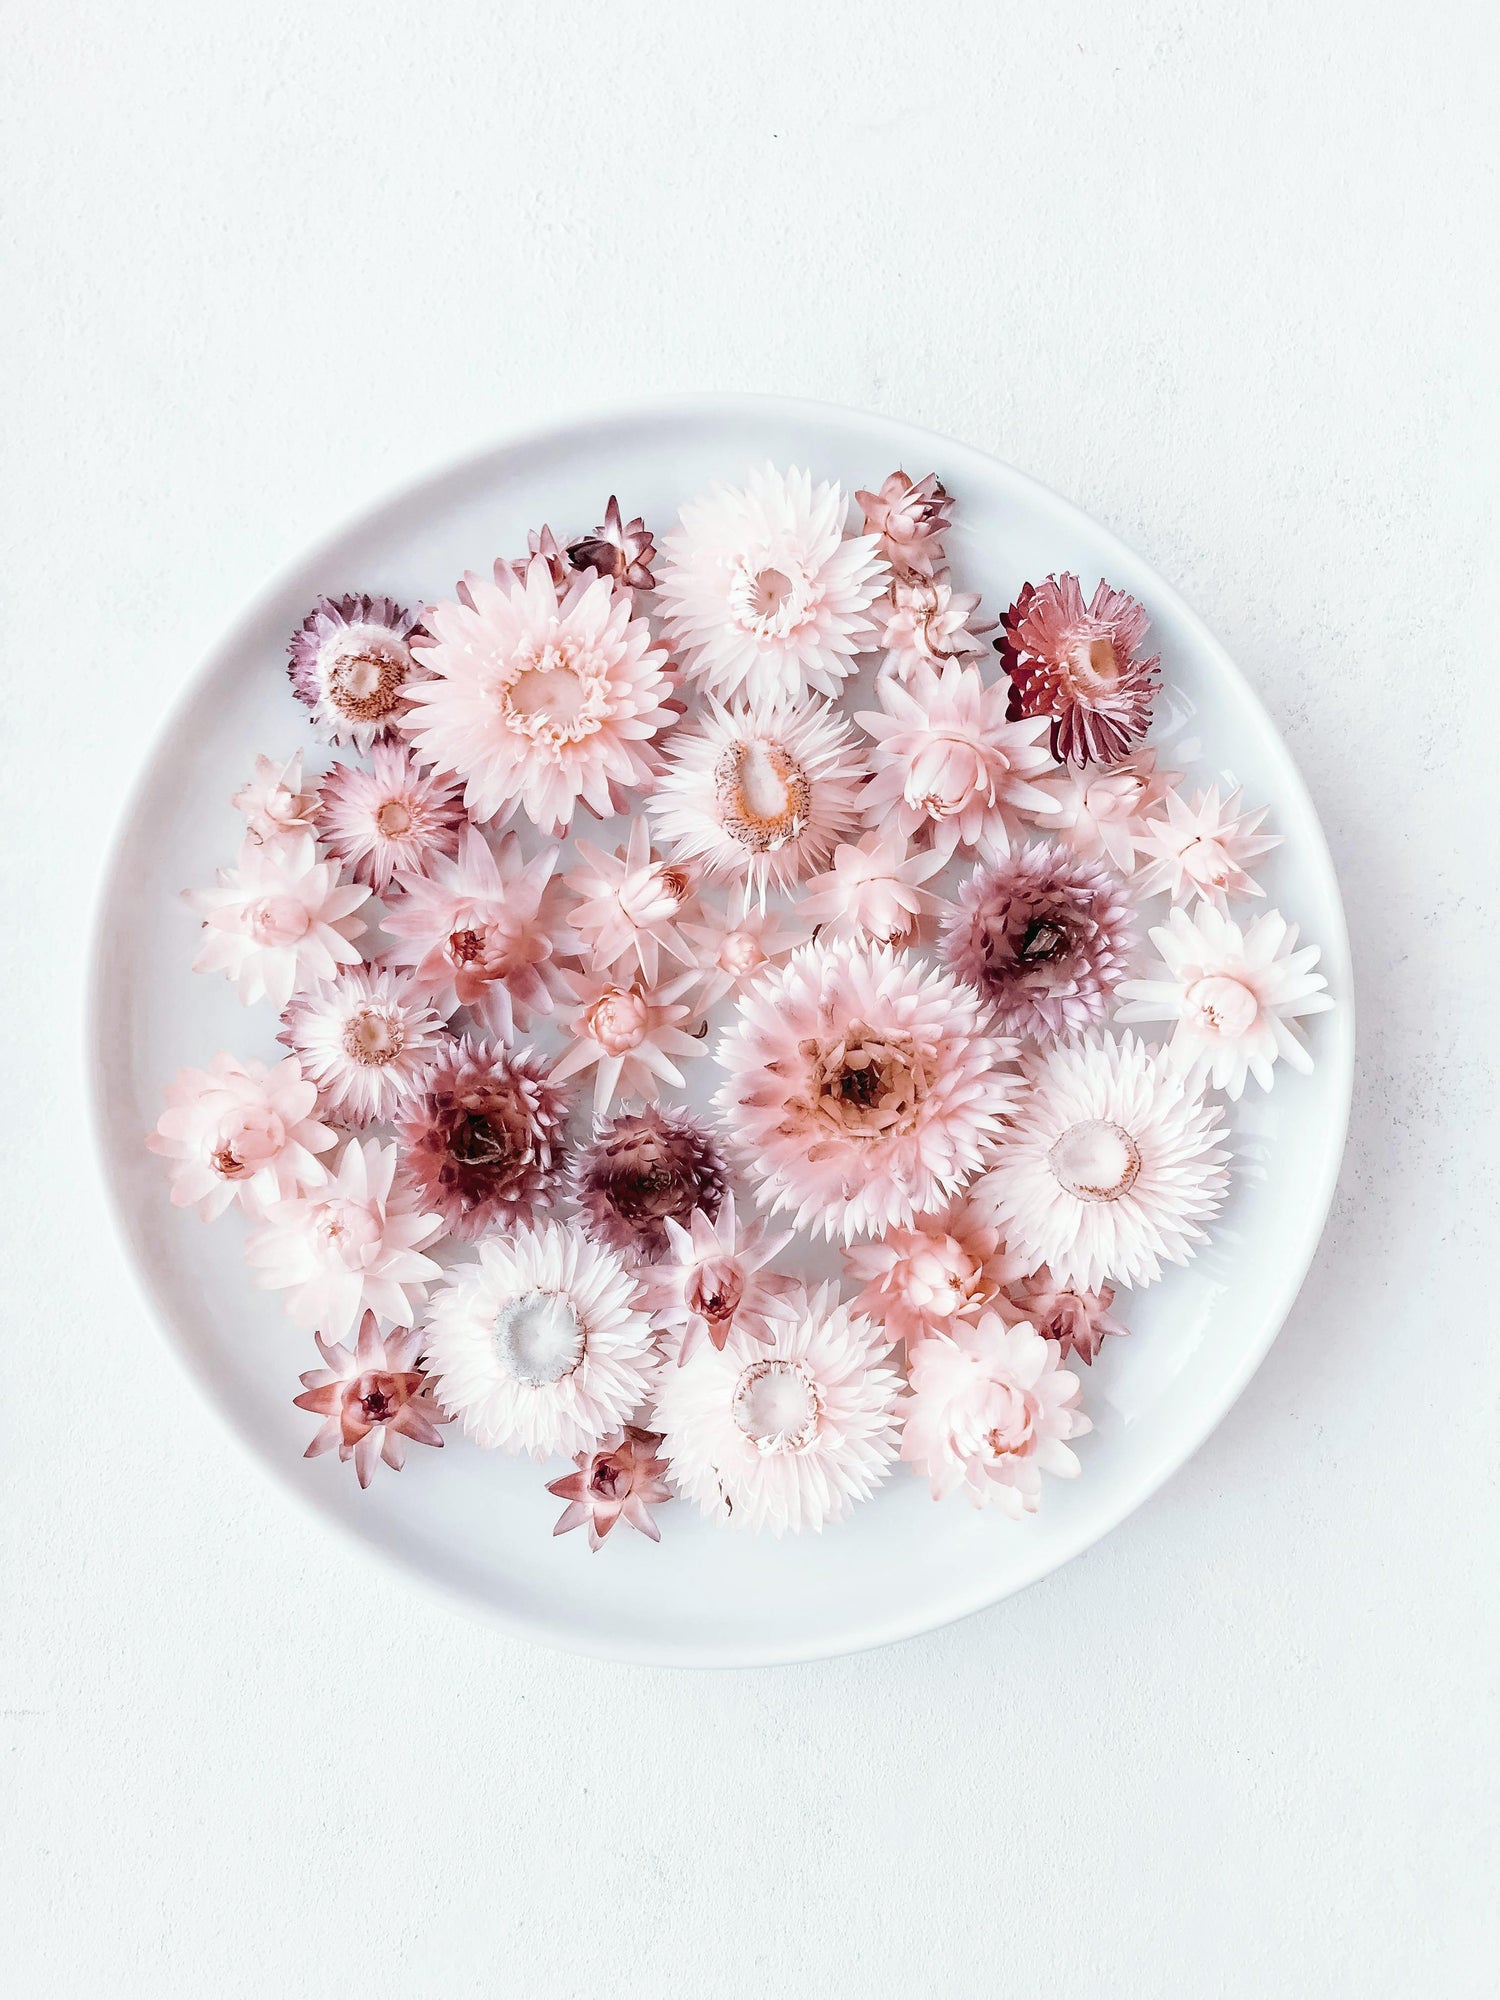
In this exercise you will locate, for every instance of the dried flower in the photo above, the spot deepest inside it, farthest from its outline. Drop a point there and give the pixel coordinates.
(642, 1170)
(909, 518)
(927, 623)
(629, 903)
(364, 1039)
(1077, 1321)
(1201, 848)
(395, 817)
(737, 942)
(918, 1280)
(1079, 667)
(1100, 811)
(280, 921)
(352, 664)
(278, 803)
(240, 1131)
(483, 1143)
(629, 1034)
(712, 1281)
(620, 550)
(620, 1478)
(373, 1399)
(873, 890)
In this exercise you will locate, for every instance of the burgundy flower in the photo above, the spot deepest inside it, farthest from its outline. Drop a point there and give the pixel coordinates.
(621, 1478)
(483, 1143)
(1078, 665)
(620, 549)
(373, 1399)
(643, 1168)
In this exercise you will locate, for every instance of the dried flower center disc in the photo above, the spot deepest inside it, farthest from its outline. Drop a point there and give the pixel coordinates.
(777, 1405)
(539, 1338)
(365, 674)
(764, 795)
(373, 1038)
(1096, 1160)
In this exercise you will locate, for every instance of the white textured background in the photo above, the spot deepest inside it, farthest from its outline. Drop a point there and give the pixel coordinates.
(1225, 275)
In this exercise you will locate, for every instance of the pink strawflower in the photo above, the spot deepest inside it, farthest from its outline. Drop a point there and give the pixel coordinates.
(392, 817)
(538, 1344)
(1200, 848)
(1111, 1166)
(1044, 937)
(277, 802)
(365, 1040)
(861, 1088)
(762, 793)
(737, 942)
(990, 1411)
(618, 1479)
(1100, 811)
(712, 1281)
(540, 696)
(928, 623)
(943, 1267)
(240, 1131)
(373, 1399)
(1234, 995)
(1078, 666)
(784, 1434)
(628, 905)
(909, 518)
(279, 921)
(482, 1143)
(351, 1246)
(541, 544)
(643, 1170)
(873, 890)
(762, 592)
(619, 549)
(947, 763)
(352, 664)
(1077, 1321)
(484, 931)
(627, 1032)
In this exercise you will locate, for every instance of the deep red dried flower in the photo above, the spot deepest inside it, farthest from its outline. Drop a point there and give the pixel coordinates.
(621, 1478)
(483, 1143)
(643, 1167)
(1077, 663)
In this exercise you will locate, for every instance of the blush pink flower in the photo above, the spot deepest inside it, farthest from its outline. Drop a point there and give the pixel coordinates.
(1077, 1321)
(629, 903)
(990, 1411)
(919, 1279)
(540, 697)
(712, 1282)
(373, 1399)
(948, 765)
(484, 931)
(1100, 811)
(1044, 937)
(873, 890)
(279, 921)
(629, 1034)
(482, 1142)
(393, 817)
(278, 803)
(1202, 848)
(738, 941)
(861, 1088)
(352, 664)
(365, 1039)
(909, 519)
(240, 1131)
(351, 1246)
(1078, 666)
(928, 623)
(618, 1479)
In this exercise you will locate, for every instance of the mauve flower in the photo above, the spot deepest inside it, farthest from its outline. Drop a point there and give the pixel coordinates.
(279, 921)
(1077, 1321)
(352, 664)
(393, 817)
(910, 518)
(240, 1131)
(1044, 937)
(482, 1144)
(712, 1282)
(1078, 666)
(621, 550)
(277, 802)
(373, 1399)
(642, 1170)
(619, 1479)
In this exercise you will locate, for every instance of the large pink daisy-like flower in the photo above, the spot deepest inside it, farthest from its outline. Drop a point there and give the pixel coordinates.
(351, 1246)
(540, 697)
(1077, 665)
(538, 1344)
(629, 904)
(1202, 848)
(990, 1411)
(1235, 995)
(392, 817)
(365, 1039)
(484, 931)
(1044, 937)
(620, 1479)
(788, 1433)
(765, 793)
(373, 1399)
(482, 1144)
(918, 1280)
(643, 1170)
(240, 1131)
(352, 665)
(947, 763)
(279, 921)
(279, 804)
(629, 1034)
(861, 1088)
(874, 890)
(763, 593)
(1111, 1165)
(909, 517)
(712, 1281)
(1077, 1321)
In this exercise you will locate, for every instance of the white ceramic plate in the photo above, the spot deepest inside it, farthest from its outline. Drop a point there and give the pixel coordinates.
(479, 1523)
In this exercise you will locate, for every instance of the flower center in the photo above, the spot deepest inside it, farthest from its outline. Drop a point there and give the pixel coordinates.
(377, 1398)
(475, 1142)
(372, 1038)
(768, 601)
(394, 818)
(1221, 1005)
(867, 1086)
(716, 1290)
(554, 693)
(1013, 1433)
(763, 793)
(1096, 1160)
(279, 920)
(348, 1229)
(364, 673)
(618, 1020)
(777, 1406)
(465, 946)
(539, 1338)
(1094, 662)
(1043, 940)
(941, 1278)
(945, 774)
